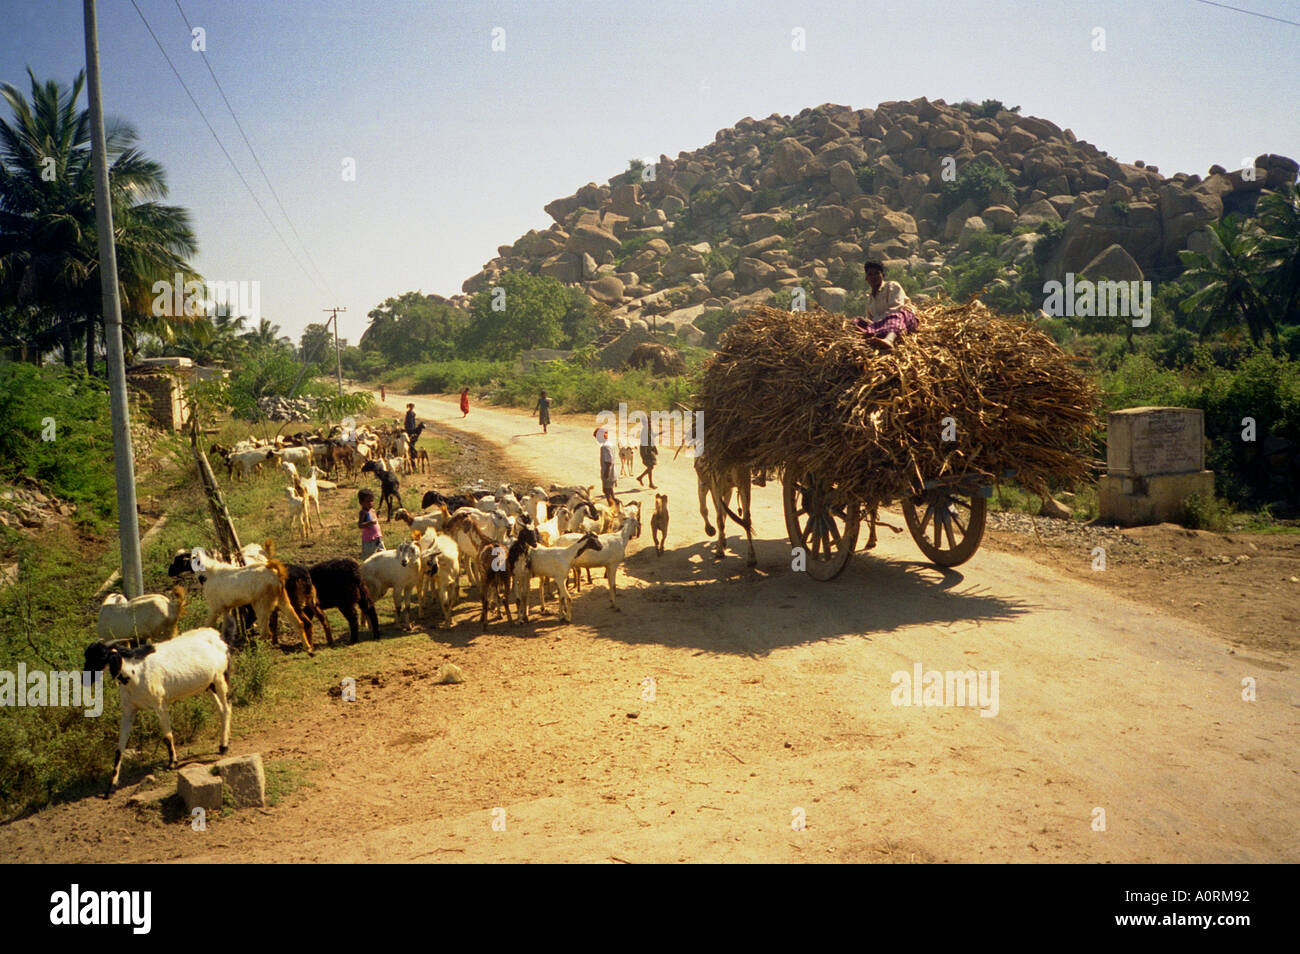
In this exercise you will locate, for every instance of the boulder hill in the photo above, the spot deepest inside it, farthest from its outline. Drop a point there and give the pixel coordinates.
(778, 202)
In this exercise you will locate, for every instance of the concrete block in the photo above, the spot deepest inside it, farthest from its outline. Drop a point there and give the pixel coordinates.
(1133, 500)
(244, 776)
(199, 788)
(1142, 441)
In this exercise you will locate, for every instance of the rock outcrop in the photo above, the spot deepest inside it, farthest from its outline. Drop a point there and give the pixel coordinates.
(783, 201)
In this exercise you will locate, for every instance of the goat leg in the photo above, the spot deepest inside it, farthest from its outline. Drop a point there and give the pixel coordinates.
(165, 721)
(124, 733)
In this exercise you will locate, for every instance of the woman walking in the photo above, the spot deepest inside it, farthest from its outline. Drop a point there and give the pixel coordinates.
(464, 402)
(543, 410)
(649, 455)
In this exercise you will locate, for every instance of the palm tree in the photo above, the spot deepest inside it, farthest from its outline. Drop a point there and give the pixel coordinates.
(1229, 276)
(49, 255)
(266, 336)
(228, 338)
(1278, 216)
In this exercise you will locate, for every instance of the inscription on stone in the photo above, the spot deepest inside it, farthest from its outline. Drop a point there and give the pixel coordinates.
(1148, 441)
(1165, 444)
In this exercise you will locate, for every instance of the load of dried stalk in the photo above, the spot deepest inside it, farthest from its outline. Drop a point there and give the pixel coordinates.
(968, 393)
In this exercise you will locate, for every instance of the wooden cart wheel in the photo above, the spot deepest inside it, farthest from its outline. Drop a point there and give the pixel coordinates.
(826, 528)
(947, 524)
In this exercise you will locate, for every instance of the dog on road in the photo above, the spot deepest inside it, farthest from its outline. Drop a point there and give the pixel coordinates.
(659, 523)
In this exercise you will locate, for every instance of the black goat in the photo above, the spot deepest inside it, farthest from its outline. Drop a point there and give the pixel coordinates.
(340, 586)
(453, 503)
(388, 486)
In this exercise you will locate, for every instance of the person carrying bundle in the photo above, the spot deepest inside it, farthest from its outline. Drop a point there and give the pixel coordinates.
(889, 311)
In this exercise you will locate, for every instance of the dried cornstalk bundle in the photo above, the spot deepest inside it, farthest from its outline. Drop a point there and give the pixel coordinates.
(802, 390)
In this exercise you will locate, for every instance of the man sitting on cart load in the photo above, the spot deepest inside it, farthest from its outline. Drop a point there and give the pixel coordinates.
(889, 312)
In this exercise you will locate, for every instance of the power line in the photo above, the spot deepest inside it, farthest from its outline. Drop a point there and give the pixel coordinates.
(253, 152)
(224, 151)
(1262, 16)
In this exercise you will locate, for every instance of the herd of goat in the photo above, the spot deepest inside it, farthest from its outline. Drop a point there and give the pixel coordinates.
(497, 541)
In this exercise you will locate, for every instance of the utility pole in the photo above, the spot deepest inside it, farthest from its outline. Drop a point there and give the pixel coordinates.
(128, 524)
(338, 362)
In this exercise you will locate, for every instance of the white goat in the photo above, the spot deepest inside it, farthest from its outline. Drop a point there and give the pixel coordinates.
(612, 552)
(143, 619)
(397, 570)
(153, 675)
(584, 519)
(554, 563)
(260, 585)
(301, 456)
(441, 559)
(424, 522)
(510, 505)
(298, 509)
(246, 463)
(548, 531)
(492, 527)
(311, 488)
(534, 505)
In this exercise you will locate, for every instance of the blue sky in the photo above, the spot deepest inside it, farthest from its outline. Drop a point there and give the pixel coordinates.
(458, 147)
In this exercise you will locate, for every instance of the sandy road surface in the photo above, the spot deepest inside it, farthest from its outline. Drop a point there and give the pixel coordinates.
(772, 703)
(1102, 703)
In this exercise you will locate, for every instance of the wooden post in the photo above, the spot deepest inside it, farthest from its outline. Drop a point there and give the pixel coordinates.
(221, 521)
(227, 538)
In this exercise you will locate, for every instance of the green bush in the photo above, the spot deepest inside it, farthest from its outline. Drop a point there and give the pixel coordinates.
(977, 180)
(1201, 512)
(364, 365)
(252, 673)
(765, 199)
(721, 259)
(261, 373)
(1051, 232)
(76, 464)
(332, 406)
(985, 110)
(867, 179)
(440, 377)
(715, 322)
(630, 247)
(1140, 381)
(1262, 386)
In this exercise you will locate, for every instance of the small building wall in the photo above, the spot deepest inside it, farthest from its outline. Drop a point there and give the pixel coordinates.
(162, 397)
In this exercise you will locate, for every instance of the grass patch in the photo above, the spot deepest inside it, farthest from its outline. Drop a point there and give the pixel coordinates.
(1206, 512)
(439, 448)
(55, 754)
(286, 775)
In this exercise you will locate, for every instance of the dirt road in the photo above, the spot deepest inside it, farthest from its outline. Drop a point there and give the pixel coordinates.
(734, 714)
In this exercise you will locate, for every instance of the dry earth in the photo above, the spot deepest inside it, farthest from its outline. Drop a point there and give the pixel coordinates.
(771, 703)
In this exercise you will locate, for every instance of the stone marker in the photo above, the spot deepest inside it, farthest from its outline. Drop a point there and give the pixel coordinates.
(244, 776)
(1142, 441)
(1155, 460)
(199, 788)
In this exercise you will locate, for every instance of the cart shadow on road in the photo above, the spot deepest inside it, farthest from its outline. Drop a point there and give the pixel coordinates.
(728, 608)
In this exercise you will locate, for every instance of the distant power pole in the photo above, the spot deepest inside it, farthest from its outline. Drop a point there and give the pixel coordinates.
(128, 523)
(338, 362)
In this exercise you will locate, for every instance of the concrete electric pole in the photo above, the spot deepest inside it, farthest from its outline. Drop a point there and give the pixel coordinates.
(128, 524)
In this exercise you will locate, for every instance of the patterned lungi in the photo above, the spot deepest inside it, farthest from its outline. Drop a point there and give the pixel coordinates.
(901, 321)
